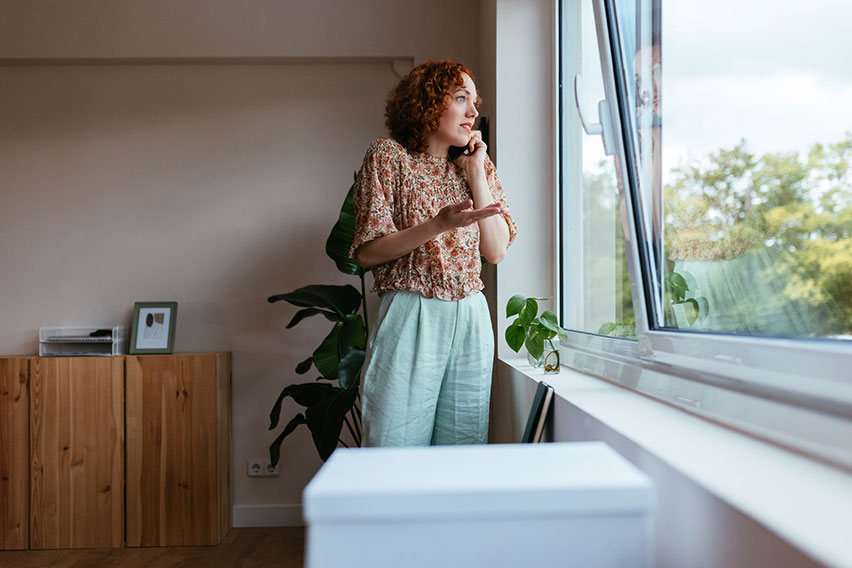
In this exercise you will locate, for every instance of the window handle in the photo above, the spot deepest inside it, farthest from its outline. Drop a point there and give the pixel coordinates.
(602, 128)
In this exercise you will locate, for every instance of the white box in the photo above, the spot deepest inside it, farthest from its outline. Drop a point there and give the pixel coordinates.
(517, 505)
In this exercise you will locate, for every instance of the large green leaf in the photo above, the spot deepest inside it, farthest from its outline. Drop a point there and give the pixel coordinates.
(514, 305)
(534, 342)
(529, 311)
(305, 394)
(340, 239)
(275, 446)
(548, 320)
(325, 419)
(345, 334)
(304, 366)
(349, 370)
(326, 356)
(341, 299)
(308, 312)
(515, 336)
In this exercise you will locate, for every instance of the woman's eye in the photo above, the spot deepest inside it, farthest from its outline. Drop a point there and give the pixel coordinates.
(460, 98)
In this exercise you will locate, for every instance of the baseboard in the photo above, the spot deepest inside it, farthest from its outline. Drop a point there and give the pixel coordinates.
(268, 516)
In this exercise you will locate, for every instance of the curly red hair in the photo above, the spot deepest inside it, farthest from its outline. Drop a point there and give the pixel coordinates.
(416, 104)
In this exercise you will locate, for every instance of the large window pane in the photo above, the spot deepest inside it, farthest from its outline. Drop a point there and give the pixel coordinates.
(596, 295)
(744, 144)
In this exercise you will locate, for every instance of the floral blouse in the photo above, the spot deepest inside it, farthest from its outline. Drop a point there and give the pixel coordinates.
(396, 189)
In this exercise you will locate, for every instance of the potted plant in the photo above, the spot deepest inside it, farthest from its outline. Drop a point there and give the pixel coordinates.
(537, 332)
(328, 407)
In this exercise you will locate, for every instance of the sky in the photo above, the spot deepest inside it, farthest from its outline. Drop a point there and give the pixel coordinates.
(776, 74)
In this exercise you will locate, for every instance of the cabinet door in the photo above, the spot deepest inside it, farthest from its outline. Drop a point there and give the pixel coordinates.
(14, 449)
(76, 457)
(178, 449)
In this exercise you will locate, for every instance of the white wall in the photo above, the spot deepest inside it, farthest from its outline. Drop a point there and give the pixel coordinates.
(157, 151)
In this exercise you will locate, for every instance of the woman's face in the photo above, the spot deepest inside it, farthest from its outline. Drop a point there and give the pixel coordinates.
(456, 123)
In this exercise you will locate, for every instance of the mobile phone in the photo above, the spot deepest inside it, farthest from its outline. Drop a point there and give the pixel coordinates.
(455, 151)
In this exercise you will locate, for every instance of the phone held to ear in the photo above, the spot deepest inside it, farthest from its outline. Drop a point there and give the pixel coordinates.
(456, 151)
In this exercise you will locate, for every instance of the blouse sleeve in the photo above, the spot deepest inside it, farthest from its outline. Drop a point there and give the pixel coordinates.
(496, 188)
(373, 195)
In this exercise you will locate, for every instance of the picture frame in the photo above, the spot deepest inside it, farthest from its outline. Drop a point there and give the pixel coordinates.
(153, 329)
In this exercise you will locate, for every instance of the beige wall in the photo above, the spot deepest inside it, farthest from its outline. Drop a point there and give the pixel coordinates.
(212, 182)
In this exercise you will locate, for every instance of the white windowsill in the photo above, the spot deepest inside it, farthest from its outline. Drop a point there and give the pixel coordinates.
(803, 501)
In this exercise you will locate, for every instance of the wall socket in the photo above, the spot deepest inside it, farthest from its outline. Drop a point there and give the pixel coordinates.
(261, 468)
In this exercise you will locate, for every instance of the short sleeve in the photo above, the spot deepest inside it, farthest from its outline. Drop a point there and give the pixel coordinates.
(499, 196)
(374, 194)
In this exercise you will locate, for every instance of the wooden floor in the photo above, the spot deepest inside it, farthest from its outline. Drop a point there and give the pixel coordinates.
(282, 547)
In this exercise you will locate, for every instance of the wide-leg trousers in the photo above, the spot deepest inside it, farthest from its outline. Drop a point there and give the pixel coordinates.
(427, 375)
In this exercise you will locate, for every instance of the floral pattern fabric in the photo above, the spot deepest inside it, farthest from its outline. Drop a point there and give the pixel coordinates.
(396, 189)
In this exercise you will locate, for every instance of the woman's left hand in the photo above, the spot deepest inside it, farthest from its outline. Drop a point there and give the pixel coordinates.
(473, 162)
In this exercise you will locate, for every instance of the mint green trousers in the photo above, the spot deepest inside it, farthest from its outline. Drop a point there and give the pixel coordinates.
(427, 375)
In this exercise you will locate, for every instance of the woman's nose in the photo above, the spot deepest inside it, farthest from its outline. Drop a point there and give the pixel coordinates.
(472, 112)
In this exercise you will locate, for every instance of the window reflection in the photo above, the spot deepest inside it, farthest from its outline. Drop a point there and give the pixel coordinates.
(744, 164)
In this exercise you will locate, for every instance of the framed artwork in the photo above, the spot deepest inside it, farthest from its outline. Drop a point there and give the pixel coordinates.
(153, 328)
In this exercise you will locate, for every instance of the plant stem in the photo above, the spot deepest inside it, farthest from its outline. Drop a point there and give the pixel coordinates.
(364, 301)
(355, 423)
(351, 431)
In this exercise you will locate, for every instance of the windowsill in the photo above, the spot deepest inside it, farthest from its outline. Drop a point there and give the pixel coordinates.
(803, 501)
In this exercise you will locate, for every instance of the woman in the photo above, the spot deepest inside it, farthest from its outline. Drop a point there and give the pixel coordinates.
(422, 222)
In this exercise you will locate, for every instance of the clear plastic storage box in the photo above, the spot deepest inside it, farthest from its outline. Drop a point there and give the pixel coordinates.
(81, 341)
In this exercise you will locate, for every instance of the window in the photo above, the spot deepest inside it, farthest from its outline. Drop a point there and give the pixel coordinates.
(706, 237)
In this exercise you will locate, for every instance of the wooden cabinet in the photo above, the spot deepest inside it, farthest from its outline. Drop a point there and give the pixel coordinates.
(80, 436)
(178, 449)
(76, 452)
(14, 453)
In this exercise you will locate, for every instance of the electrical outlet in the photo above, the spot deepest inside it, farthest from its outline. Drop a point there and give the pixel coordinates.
(256, 468)
(269, 470)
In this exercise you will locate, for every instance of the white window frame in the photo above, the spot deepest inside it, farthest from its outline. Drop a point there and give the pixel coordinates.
(794, 392)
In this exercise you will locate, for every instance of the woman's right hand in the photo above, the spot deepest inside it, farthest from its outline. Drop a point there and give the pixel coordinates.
(460, 214)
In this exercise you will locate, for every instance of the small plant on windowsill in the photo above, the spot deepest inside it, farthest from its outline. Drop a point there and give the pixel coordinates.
(537, 333)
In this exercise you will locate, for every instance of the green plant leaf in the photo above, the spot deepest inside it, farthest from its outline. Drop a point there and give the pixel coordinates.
(528, 312)
(606, 328)
(548, 320)
(326, 356)
(305, 394)
(691, 314)
(341, 237)
(515, 336)
(308, 312)
(677, 287)
(349, 370)
(352, 334)
(534, 341)
(304, 366)
(325, 419)
(275, 446)
(514, 305)
(341, 299)
(345, 334)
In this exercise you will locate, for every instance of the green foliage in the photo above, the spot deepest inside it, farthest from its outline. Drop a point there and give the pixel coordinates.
(796, 212)
(340, 356)
(527, 329)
